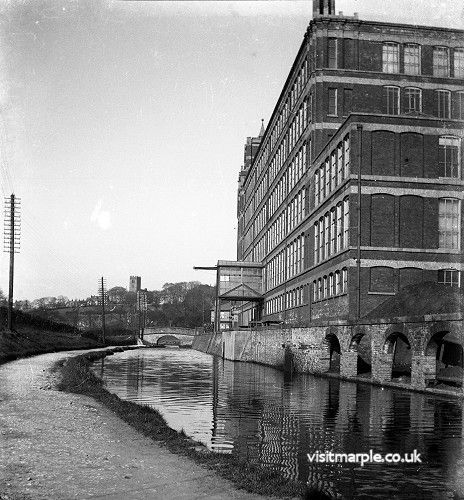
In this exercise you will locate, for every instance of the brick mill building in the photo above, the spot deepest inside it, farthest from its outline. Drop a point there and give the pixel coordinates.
(354, 190)
(350, 210)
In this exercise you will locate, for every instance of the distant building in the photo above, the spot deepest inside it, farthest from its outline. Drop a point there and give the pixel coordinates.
(135, 284)
(355, 188)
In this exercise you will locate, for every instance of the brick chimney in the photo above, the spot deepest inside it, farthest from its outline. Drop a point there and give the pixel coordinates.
(323, 8)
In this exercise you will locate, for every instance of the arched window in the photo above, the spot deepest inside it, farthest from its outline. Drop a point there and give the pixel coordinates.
(320, 289)
(412, 59)
(441, 64)
(459, 62)
(331, 285)
(344, 280)
(339, 209)
(390, 57)
(317, 177)
(338, 288)
(412, 100)
(346, 222)
(346, 156)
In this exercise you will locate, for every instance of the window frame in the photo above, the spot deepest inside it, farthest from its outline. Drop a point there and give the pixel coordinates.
(390, 102)
(412, 65)
(460, 105)
(460, 66)
(445, 143)
(408, 92)
(334, 53)
(449, 224)
(334, 111)
(390, 57)
(450, 282)
(441, 70)
(440, 108)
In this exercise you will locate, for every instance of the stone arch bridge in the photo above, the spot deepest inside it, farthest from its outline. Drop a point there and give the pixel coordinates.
(169, 336)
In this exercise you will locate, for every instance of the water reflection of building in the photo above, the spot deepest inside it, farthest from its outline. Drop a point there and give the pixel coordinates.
(134, 377)
(276, 422)
(263, 416)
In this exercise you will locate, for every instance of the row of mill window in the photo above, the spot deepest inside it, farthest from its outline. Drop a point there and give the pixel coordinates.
(331, 232)
(413, 61)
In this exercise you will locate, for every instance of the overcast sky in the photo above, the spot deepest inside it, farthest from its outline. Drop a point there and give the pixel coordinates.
(123, 123)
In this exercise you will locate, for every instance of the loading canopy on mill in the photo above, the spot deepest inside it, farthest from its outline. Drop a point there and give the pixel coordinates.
(236, 281)
(240, 281)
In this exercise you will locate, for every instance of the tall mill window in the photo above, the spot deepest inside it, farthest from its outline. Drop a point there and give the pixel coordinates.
(412, 100)
(449, 156)
(412, 59)
(390, 58)
(332, 102)
(441, 61)
(392, 96)
(460, 105)
(459, 63)
(332, 53)
(444, 104)
(449, 228)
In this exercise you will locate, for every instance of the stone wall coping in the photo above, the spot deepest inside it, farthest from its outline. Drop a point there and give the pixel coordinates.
(364, 321)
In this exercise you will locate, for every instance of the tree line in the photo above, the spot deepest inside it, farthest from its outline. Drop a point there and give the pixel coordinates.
(184, 304)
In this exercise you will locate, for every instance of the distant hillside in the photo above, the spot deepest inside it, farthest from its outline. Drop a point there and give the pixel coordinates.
(419, 300)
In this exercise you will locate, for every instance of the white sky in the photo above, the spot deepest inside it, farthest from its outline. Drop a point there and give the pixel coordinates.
(123, 123)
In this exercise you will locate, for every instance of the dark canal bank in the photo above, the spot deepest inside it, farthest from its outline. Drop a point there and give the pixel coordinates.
(257, 413)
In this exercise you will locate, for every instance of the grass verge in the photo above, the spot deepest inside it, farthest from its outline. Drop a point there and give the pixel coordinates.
(28, 341)
(77, 377)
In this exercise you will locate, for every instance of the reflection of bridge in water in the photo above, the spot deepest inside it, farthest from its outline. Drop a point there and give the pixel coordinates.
(169, 336)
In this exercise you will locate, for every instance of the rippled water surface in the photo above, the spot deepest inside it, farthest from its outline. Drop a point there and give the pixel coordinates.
(259, 413)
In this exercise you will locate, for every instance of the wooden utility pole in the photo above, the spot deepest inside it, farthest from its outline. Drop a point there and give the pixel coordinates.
(102, 299)
(11, 239)
(142, 307)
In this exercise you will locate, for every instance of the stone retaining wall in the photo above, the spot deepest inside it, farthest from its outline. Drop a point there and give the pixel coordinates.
(309, 350)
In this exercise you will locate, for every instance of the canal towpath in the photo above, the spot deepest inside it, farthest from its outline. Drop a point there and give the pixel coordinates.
(58, 445)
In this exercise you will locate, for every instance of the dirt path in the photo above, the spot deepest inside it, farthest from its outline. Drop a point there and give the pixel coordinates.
(56, 445)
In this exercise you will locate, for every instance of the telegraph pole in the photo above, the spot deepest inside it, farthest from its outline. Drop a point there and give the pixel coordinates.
(11, 241)
(142, 307)
(102, 292)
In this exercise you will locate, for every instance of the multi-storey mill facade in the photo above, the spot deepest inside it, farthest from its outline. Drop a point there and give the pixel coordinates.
(354, 190)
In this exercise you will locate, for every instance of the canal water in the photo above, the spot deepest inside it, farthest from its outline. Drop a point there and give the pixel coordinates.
(261, 414)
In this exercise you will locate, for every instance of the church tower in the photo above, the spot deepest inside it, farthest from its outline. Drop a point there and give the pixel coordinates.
(323, 8)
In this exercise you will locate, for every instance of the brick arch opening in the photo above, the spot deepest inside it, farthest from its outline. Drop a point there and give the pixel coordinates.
(398, 349)
(332, 345)
(444, 357)
(355, 341)
(359, 365)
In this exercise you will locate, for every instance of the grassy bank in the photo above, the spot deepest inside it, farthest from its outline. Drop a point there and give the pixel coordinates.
(28, 340)
(78, 378)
